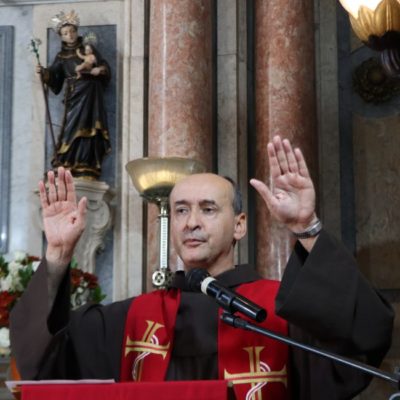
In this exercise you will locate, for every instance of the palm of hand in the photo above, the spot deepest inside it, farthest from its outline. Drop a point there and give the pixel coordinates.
(61, 223)
(294, 197)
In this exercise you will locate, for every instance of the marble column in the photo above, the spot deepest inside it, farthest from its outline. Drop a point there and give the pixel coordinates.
(128, 274)
(180, 90)
(285, 105)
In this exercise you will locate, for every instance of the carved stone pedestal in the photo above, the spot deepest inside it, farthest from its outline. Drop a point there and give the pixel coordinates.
(99, 220)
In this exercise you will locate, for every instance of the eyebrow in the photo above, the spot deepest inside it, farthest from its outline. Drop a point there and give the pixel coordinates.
(208, 203)
(204, 202)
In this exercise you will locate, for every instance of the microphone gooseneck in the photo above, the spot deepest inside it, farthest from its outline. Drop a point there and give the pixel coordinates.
(199, 280)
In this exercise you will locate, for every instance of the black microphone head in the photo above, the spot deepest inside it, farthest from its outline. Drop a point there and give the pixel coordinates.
(194, 278)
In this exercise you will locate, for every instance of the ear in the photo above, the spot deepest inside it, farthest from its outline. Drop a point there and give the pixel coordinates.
(240, 228)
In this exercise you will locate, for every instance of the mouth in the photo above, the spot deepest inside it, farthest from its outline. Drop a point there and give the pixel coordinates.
(193, 242)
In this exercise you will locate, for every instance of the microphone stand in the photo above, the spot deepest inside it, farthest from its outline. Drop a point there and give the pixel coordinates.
(238, 322)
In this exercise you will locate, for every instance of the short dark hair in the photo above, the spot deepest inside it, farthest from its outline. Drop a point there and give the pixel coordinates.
(64, 25)
(237, 203)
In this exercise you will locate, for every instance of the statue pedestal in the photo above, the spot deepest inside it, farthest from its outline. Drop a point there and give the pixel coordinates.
(99, 220)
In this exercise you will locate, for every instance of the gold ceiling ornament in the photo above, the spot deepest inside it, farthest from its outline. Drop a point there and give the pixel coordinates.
(376, 22)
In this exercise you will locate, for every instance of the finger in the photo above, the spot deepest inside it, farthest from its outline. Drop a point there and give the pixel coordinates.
(264, 192)
(69, 181)
(52, 187)
(61, 189)
(274, 168)
(82, 209)
(303, 170)
(291, 158)
(280, 154)
(44, 201)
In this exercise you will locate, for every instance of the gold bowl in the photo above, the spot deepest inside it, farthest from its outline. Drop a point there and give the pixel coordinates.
(154, 178)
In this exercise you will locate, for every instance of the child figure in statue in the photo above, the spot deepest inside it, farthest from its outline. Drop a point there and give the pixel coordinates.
(84, 137)
(89, 60)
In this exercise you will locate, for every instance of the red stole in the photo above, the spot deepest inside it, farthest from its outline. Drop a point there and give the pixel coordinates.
(149, 334)
(255, 364)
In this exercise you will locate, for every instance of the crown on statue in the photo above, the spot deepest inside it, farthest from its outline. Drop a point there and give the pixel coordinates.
(61, 19)
(90, 38)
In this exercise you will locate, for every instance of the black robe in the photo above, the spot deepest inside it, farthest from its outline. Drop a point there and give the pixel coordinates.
(323, 296)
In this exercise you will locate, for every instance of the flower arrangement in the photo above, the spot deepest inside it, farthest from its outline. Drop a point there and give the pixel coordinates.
(14, 278)
(84, 287)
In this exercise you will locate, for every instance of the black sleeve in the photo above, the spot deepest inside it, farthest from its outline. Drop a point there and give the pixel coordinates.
(330, 304)
(29, 331)
(89, 347)
(54, 75)
(65, 344)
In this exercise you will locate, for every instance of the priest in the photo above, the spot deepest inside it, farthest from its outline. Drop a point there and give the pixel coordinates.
(176, 334)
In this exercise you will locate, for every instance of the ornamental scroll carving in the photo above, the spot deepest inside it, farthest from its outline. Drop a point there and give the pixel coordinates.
(99, 221)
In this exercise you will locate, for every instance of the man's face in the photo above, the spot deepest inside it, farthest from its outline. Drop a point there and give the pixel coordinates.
(203, 225)
(69, 34)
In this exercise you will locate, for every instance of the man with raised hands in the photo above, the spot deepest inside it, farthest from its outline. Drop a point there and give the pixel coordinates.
(322, 299)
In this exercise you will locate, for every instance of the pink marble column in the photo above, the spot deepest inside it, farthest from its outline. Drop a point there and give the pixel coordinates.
(285, 105)
(180, 89)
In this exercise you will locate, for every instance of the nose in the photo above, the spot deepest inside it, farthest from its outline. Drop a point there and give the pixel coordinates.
(192, 221)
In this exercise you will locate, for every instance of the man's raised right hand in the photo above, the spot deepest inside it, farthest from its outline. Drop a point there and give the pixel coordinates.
(64, 219)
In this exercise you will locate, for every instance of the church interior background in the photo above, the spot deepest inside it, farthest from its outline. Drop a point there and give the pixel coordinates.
(212, 81)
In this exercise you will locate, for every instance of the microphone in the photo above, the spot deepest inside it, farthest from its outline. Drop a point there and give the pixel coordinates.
(199, 280)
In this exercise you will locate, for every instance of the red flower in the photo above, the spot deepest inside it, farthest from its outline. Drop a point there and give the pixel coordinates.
(4, 317)
(7, 299)
(31, 259)
(90, 279)
(76, 277)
